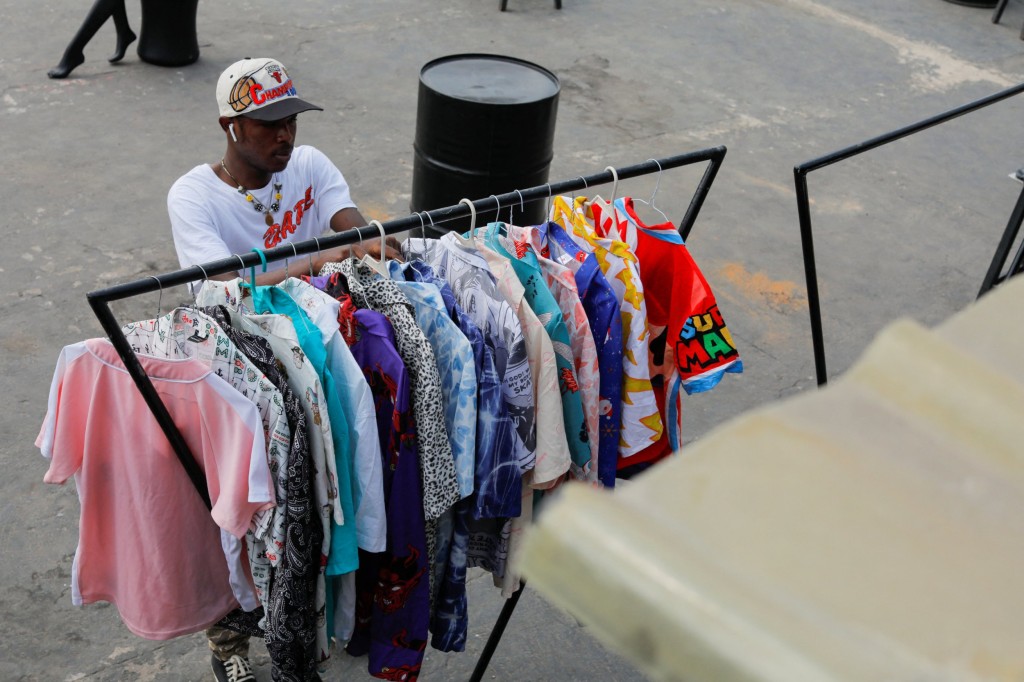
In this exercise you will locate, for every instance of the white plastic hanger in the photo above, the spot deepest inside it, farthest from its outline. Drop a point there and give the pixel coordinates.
(380, 266)
(606, 206)
(428, 244)
(468, 242)
(615, 182)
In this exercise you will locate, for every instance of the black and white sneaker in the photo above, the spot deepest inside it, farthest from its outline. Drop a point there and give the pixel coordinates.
(235, 669)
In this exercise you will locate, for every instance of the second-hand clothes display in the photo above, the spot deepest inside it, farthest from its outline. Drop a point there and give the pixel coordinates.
(371, 432)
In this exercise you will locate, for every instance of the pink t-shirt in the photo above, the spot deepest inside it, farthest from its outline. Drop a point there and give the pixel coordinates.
(146, 542)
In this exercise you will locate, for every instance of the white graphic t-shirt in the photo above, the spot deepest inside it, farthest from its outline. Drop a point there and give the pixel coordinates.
(210, 220)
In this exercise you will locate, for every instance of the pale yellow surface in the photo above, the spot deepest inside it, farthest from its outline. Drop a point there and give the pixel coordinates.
(872, 530)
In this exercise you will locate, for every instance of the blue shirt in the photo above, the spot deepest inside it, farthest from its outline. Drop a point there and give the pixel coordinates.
(498, 481)
(602, 308)
(456, 367)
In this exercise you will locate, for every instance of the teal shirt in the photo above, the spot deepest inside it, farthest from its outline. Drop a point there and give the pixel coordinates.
(344, 553)
(545, 307)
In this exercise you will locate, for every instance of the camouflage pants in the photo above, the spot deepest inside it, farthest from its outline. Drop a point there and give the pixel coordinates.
(226, 643)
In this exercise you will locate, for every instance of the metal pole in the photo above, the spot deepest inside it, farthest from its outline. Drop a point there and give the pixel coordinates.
(886, 138)
(1003, 250)
(697, 202)
(496, 633)
(811, 275)
(152, 399)
(440, 215)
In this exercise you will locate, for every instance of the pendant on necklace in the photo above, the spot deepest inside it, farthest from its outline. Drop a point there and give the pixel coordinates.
(269, 219)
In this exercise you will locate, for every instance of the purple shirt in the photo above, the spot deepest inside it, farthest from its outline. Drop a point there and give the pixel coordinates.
(392, 603)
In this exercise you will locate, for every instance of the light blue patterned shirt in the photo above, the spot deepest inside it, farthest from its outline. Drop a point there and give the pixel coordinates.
(457, 368)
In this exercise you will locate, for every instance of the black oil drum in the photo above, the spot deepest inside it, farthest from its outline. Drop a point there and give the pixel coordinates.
(485, 124)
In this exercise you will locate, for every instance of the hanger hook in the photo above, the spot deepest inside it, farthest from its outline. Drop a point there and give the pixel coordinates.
(252, 271)
(160, 298)
(615, 181)
(263, 259)
(423, 226)
(383, 242)
(548, 209)
(317, 240)
(295, 254)
(205, 278)
(585, 186)
(658, 183)
(522, 206)
(472, 216)
(497, 208)
(433, 229)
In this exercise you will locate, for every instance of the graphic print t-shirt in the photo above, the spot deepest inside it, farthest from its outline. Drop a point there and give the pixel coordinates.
(211, 220)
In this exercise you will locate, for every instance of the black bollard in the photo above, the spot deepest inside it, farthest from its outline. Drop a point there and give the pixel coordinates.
(169, 32)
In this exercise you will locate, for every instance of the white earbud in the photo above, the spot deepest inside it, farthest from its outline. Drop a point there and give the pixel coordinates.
(231, 129)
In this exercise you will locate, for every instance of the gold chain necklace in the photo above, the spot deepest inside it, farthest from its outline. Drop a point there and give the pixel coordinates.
(251, 198)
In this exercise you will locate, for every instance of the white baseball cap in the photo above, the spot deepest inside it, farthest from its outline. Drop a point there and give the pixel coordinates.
(259, 88)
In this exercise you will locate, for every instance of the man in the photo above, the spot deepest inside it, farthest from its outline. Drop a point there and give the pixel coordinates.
(263, 192)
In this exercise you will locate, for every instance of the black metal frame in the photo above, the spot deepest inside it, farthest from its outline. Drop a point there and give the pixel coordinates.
(995, 274)
(800, 173)
(99, 300)
(997, 14)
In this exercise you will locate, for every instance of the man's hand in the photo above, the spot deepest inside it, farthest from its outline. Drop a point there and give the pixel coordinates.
(372, 248)
(348, 218)
(358, 250)
(334, 255)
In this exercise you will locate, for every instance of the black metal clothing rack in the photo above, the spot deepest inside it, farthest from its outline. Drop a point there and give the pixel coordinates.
(99, 300)
(801, 171)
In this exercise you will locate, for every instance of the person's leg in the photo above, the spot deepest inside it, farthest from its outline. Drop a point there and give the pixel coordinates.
(125, 35)
(226, 643)
(73, 56)
(230, 660)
